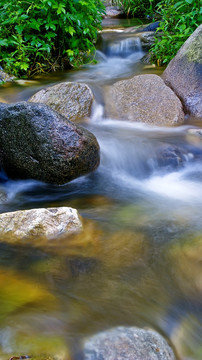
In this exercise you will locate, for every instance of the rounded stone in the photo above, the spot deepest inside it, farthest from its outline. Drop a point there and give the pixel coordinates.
(72, 100)
(184, 74)
(144, 98)
(127, 343)
(39, 223)
(37, 142)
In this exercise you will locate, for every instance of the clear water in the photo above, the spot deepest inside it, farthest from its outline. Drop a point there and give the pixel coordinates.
(137, 262)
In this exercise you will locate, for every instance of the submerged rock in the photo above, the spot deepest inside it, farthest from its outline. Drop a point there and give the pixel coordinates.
(188, 271)
(170, 156)
(18, 291)
(144, 98)
(39, 223)
(72, 100)
(3, 197)
(2, 100)
(127, 343)
(184, 73)
(38, 143)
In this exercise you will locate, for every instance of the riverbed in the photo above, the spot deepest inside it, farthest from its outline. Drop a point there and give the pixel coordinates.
(138, 261)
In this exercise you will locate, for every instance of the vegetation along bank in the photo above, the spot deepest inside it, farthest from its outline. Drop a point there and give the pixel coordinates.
(45, 35)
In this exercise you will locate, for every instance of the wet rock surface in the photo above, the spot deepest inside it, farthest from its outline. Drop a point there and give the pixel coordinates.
(144, 98)
(72, 100)
(147, 39)
(170, 156)
(184, 73)
(130, 343)
(39, 223)
(4, 77)
(147, 28)
(36, 142)
(113, 12)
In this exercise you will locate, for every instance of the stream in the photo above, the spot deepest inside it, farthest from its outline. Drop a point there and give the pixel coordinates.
(138, 262)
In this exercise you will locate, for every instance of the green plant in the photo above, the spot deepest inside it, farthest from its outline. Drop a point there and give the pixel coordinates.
(179, 20)
(139, 8)
(41, 35)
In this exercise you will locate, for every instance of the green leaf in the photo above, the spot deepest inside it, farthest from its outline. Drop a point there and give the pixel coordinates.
(4, 42)
(24, 66)
(71, 30)
(19, 28)
(70, 52)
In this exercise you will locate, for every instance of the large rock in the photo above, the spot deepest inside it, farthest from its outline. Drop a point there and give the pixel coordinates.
(4, 77)
(130, 343)
(73, 100)
(36, 142)
(144, 98)
(184, 73)
(39, 223)
(147, 39)
(113, 12)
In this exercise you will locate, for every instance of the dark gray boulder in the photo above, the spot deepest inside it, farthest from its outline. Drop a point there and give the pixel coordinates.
(36, 142)
(127, 343)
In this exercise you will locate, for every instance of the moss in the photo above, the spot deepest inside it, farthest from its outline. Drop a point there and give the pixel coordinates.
(194, 51)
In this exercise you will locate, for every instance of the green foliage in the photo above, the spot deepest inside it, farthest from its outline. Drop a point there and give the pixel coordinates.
(40, 35)
(180, 19)
(139, 8)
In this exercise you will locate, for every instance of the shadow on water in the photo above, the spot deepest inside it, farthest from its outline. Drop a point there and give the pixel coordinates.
(137, 261)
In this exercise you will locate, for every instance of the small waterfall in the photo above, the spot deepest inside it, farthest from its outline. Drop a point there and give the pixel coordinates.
(124, 47)
(115, 59)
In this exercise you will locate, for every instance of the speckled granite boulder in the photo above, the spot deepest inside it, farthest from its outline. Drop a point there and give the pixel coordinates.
(4, 77)
(127, 343)
(72, 100)
(39, 223)
(184, 73)
(144, 98)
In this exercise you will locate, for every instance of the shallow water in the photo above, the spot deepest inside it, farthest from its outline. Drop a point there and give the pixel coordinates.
(138, 260)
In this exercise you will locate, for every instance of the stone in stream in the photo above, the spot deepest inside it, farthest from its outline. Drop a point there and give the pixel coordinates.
(113, 12)
(4, 77)
(37, 142)
(184, 73)
(18, 291)
(147, 39)
(187, 273)
(144, 98)
(2, 100)
(171, 157)
(35, 224)
(72, 100)
(127, 343)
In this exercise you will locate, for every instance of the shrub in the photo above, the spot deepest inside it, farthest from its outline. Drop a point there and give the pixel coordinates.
(139, 8)
(179, 20)
(40, 35)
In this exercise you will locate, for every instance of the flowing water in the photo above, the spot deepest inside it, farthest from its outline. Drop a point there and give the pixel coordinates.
(138, 261)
